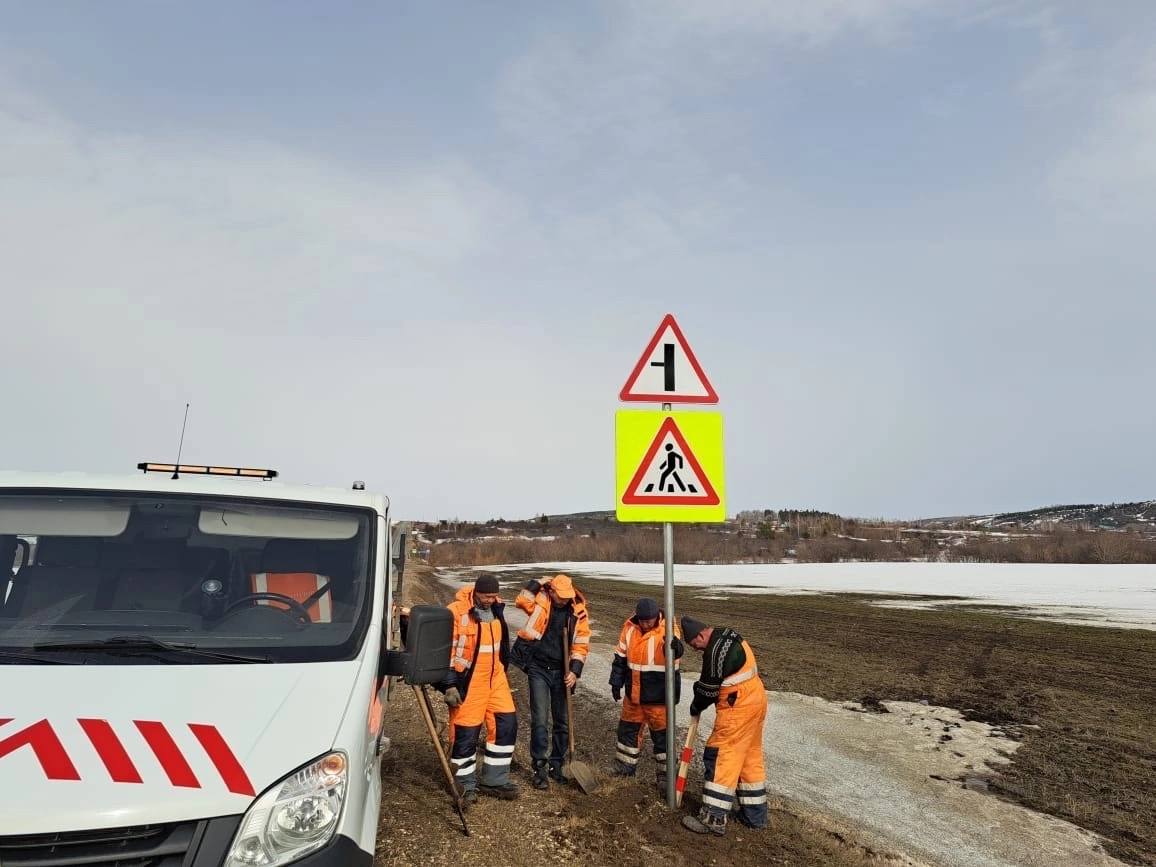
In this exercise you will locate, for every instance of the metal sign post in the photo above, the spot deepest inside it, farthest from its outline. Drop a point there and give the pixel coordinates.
(667, 641)
(669, 468)
(671, 674)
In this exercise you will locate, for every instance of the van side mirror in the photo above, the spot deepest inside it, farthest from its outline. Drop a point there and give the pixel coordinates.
(428, 640)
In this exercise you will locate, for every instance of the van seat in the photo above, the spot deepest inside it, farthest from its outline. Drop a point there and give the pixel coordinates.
(292, 567)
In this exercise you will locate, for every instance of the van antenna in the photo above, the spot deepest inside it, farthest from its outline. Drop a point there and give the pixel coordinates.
(181, 444)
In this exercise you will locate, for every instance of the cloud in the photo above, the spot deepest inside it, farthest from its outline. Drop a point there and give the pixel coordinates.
(231, 223)
(289, 297)
(454, 327)
(1109, 174)
(807, 22)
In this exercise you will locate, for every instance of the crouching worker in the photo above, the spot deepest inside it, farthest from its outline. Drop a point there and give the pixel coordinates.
(478, 693)
(639, 668)
(557, 616)
(733, 774)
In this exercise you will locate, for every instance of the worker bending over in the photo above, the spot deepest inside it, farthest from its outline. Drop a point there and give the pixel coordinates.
(557, 614)
(639, 668)
(478, 692)
(733, 774)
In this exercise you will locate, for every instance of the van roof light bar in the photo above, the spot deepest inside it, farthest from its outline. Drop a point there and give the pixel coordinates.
(199, 470)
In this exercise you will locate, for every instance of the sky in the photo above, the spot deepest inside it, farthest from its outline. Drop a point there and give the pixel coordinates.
(423, 244)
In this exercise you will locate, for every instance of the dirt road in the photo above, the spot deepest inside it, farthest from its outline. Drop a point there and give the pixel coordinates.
(625, 823)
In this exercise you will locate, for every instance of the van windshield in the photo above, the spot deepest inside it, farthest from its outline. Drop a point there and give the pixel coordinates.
(122, 579)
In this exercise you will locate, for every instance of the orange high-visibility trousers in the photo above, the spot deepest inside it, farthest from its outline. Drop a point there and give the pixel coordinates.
(733, 758)
(487, 701)
(629, 747)
(490, 704)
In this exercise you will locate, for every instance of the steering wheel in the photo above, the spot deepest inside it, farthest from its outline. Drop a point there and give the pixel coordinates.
(295, 608)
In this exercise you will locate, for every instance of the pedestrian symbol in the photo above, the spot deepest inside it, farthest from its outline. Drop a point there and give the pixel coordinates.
(670, 468)
(669, 473)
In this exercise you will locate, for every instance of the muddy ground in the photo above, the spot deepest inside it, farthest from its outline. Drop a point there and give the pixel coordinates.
(626, 822)
(1090, 691)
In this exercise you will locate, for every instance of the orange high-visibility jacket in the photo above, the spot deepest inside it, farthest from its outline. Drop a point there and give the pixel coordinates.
(466, 646)
(749, 671)
(728, 663)
(640, 663)
(537, 606)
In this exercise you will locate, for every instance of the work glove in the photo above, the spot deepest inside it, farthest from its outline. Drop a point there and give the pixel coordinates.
(616, 691)
(453, 697)
(677, 648)
(533, 585)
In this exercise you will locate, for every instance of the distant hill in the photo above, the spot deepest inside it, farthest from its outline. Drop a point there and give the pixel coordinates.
(1115, 516)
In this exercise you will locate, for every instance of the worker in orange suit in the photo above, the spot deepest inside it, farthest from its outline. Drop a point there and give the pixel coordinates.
(639, 668)
(556, 616)
(734, 778)
(478, 693)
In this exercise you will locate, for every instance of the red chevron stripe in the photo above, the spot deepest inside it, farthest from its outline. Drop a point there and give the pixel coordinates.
(168, 754)
(223, 759)
(46, 745)
(111, 751)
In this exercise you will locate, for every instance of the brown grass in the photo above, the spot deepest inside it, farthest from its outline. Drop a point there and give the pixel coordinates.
(819, 541)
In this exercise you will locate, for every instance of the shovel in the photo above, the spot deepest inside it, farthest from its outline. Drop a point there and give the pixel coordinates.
(580, 772)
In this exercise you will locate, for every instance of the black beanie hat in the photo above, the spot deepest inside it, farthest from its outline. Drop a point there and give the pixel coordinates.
(692, 627)
(486, 584)
(646, 609)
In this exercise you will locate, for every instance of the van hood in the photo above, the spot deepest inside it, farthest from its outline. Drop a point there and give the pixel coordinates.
(104, 746)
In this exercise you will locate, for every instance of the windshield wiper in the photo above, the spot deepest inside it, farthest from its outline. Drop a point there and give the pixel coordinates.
(144, 645)
(40, 660)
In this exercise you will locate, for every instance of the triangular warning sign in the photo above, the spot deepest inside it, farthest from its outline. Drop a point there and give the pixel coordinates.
(669, 474)
(668, 371)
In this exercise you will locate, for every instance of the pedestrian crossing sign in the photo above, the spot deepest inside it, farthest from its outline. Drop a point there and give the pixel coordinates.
(670, 466)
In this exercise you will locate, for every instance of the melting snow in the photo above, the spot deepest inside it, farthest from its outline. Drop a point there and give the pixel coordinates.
(1101, 595)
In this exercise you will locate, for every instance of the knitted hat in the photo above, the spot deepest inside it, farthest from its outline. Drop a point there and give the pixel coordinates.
(646, 609)
(691, 627)
(486, 584)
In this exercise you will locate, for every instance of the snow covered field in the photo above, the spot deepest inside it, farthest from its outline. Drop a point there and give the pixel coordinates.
(1109, 595)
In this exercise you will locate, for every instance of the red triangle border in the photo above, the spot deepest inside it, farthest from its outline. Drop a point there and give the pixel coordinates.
(631, 497)
(626, 395)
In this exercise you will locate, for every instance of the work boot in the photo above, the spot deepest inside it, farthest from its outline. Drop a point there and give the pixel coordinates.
(540, 781)
(621, 770)
(469, 798)
(556, 774)
(705, 823)
(507, 792)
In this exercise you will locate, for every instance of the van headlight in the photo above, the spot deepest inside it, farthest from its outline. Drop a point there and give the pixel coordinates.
(294, 817)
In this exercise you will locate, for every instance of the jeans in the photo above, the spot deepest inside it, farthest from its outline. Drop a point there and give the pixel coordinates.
(547, 695)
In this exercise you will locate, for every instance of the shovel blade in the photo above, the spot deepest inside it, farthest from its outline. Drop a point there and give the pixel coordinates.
(583, 775)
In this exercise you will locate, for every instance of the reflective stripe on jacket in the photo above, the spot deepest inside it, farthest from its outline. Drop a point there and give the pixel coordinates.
(471, 638)
(538, 606)
(640, 664)
(734, 683)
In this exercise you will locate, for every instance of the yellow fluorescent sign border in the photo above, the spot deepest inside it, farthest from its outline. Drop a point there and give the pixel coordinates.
(636, 430)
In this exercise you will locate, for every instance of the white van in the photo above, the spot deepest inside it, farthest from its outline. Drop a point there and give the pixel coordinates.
(192, 662)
